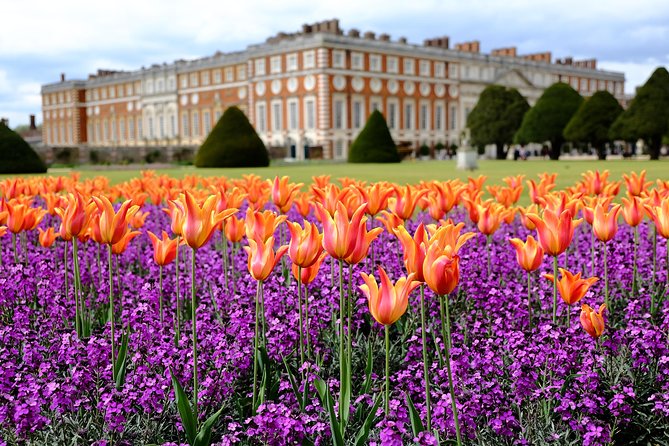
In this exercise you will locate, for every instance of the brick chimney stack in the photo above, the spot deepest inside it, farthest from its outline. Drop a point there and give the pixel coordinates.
(32, 123)
(62, 77)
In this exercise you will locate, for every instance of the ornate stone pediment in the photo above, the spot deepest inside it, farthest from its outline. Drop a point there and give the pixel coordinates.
(513, 78)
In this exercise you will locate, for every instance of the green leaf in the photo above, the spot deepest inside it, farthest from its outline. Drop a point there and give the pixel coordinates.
(363, 433)
(416, 423)
(328, 403)
(185, 411)
(346, 392)
(204, 434)
(121, 363)
(367, 385)
(293, 384)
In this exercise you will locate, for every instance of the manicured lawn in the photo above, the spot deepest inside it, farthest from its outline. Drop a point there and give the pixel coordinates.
(407, 172)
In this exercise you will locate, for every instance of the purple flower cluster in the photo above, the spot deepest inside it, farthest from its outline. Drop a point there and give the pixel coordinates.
(514, 385)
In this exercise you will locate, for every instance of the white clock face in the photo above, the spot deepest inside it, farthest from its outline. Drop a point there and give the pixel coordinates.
(276, 86)
(409, 87)
(339, 82)
(292, 85)
(440, 90)
(358, 84)
(453, 91)
(375, 85)
(425, 89)
(260, 88)
(309, 82)
(393, 87)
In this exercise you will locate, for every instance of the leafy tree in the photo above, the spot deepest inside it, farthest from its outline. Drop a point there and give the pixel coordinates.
(374, 143)
(549, 116)
(592, 121)
(16, 155)
(647, 116)
(233, 142)
(496, 117)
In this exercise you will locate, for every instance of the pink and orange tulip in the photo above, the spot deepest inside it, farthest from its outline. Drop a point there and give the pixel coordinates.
(572, 287)
(529, 254)
(593, 321)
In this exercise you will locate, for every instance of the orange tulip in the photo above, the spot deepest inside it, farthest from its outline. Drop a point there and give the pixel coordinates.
(283, 193)
(363, 240)
(376, 197)
(476, 184)
(390, 221)
(555, 231)
(490, 218)
(340, 233)
(636, 184)
(590, 203)
(201, 222)
(309, 273)
(113, 226)
(47, 238)
(414, 249)
(233, 228)
(633, 211)
(16, 214)
(571, 287)
(75, 216)
(120, 246)
(262, 224)
(388, 302)
(531, 209)
(164, 250)
(448, 237)
(305, 244)
(441, 271)
(403, 204)
(529, 254)
(605, 224)
(592, 321)
(3, 230)
(177, 213)
(303, 204)
(32, 218)
(137, 221)
(262, 258)
(660, 215)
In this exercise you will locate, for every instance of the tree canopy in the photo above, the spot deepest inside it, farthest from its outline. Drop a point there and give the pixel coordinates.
(592, 121)
(233, 142)
(16, 155)
(496, 117)
(647, 116)
(374, 144)
(549, 116)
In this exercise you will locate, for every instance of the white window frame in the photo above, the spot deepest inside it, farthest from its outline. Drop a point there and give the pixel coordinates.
(309, 59)
(409, 114)
(205, 78)
(310, 113)
(261, 116)
(424, 122)
(259, 67)
(424, 68)
(358, 115)
(393, 107)
(439, 117)
(338, 59)
(339, 119)
(275, 65)
(185, 125)
(291, 62)
(277, 115)
(217, 76)
(357, 61)
(293, 114)
(375, 62)
(196, 123)
(439, 69)
(194, 80)
(392, 64)
(408, 66)
(241, 72)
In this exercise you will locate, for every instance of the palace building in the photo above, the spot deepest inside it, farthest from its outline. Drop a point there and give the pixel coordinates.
(313, 88)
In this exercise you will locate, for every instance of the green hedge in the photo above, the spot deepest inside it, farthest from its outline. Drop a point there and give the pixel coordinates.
(374, 143)
(233, 142)
(16, 155)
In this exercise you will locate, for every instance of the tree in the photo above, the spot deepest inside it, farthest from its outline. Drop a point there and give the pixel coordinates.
(496, 117)
(374, 143)
(647, 116)
(233, 142)
(549, 116)
(592, 121)
(16, 155)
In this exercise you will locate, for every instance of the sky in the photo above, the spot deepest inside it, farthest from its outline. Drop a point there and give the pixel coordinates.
(76, 37)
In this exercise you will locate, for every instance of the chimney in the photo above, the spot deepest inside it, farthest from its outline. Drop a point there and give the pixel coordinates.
(4, 121)
(62, 77)
(402, 40)
(369, 35)
(32, 123)
(353, 32)
(384, 37)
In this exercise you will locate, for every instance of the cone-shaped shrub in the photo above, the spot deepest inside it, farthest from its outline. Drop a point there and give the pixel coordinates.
(232, 143)
(16, 155)
(374, 143)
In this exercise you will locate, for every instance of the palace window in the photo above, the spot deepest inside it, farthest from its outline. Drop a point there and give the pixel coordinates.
(275, 64)
(291, 62)
(310, 107)
(260, 67)
(409, 66)
(308, 59)
(392, 65)
(374, 62)
(356, 61)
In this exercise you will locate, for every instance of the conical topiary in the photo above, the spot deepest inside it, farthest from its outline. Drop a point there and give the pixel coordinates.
(233, 142)
(16, 155)
(374, 143)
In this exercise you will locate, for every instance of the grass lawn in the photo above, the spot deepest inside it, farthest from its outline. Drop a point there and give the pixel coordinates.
(569, 172)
